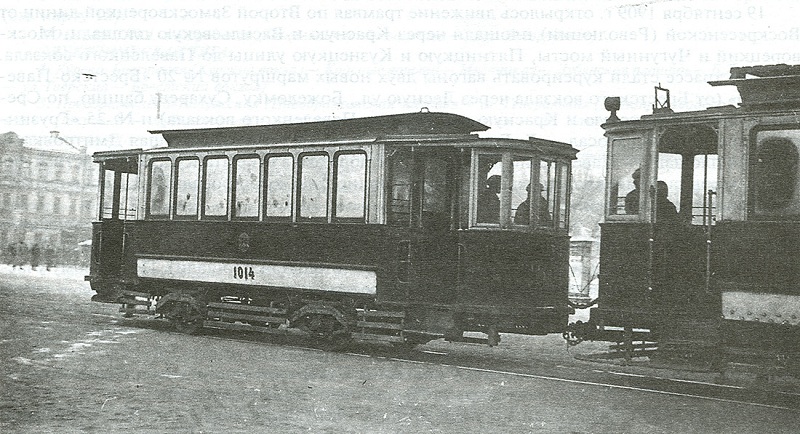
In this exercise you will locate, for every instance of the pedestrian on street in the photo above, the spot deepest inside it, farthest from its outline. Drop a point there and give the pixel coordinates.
(49, 257)
(19, 254)
(35, 256)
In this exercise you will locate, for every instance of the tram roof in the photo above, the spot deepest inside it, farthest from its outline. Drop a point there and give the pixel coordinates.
(365, 128)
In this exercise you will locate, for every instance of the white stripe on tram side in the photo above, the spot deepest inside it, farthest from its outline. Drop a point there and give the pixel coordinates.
(287, 276)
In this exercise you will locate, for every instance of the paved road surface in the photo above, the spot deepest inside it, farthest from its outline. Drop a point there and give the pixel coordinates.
(69, 365)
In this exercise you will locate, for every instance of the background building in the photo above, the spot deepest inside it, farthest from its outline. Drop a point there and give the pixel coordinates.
(47, 197)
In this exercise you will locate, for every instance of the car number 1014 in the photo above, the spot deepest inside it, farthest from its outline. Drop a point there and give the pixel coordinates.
(243, 273)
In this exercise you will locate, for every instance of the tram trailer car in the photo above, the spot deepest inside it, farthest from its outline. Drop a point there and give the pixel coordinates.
(707, 262)
(401, 228)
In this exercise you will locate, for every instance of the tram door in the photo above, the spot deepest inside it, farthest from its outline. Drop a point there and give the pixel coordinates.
(684, 213)
(118, 204)
(422, 194)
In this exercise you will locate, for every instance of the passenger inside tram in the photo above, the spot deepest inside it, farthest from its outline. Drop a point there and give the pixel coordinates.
(632, 198)
(489, 201)
(522, 215)
(665, 209)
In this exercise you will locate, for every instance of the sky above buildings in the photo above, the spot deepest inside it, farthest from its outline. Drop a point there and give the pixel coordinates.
(103, 73)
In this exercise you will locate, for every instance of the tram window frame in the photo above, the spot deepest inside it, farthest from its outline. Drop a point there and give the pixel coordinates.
(552, 172)
(528, 197)
(564, 186)
(204, 215)
(167, 194)
(336, 190)
(549, 182)
(300, 173)
(106, 196)
(283, 180)
(399, 186)
(178, 190)
(129, 200)
(622, 162)
(437, 185)
(790, 211)
(235, 187)
(480, 183)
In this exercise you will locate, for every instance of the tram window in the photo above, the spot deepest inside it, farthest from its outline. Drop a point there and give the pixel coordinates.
(434, 197)
(215, 191)
(279, 186)
(670, 172)
(128, 201)
(624, 171)
(563, 196)
(400, 163)
(521, 191)
(313, 186)
(705, 178)
(547, 186)
(435, 193)
(490, 169)
(351, 175)
(188, 174)
(158, 188)
(775, 182)
(245, 191)
(108, 194)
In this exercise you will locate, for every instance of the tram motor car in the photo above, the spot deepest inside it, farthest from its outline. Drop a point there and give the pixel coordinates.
(699, 245)
(400, 228)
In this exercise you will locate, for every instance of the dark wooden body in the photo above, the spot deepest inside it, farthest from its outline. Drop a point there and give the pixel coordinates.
(514, 280)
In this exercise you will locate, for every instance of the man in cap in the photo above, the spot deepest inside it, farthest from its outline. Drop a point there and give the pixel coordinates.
(632, 198)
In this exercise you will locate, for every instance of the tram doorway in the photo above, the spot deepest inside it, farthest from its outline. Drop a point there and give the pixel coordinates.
(423, 203)
(119, 181)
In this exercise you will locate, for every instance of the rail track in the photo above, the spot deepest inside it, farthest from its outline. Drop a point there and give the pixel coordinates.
(521, 360)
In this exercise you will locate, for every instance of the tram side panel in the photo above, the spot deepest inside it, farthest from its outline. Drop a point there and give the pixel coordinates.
(513, 280)
(520, 277)
(658, 285)
(757, 267)
(335, 253)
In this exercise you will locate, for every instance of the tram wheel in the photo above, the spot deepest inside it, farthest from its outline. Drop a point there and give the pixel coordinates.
(185, 318)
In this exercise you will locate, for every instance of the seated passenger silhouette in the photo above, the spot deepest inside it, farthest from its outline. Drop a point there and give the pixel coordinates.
(665, 210)
(632, 198)
(489, 201)
(522, 215)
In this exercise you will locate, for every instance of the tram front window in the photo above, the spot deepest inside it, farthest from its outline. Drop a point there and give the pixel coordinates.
(521, 191)
(490, 180)
(625, 173)
(687, 170)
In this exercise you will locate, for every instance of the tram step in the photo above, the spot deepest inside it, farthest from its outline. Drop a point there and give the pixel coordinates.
(374, 337)
(467, 339)
(135, 302)
(133, 294)
(247, 307)
(245, 317)
(379, 325)
(131, 310)
(380, 314)
(243, 327)
(640, 347)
